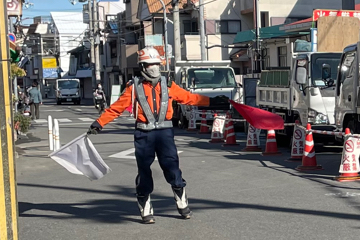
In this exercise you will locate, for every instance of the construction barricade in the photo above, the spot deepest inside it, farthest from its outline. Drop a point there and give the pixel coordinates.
(297, 145)
(217, 129)
(252, 141)
(192, 121)
(349, 166)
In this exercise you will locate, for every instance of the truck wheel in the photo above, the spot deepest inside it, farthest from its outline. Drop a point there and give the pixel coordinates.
(183, 122)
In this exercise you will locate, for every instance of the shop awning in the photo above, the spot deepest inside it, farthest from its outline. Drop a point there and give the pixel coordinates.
(84, 73)
(265, 33)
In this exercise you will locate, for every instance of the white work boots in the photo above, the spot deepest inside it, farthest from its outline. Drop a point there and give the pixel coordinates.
(147, 211)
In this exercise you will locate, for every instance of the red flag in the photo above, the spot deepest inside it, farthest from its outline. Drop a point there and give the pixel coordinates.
(129, 109)
(259, 118)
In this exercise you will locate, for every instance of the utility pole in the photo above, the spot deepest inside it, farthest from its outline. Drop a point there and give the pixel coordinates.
(202, 30)
(8, 196)
(166, 37)
(257, 38)
(92, 43)
(176, 16)
(96, 42)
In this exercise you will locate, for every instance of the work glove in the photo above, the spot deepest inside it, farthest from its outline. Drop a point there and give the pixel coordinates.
(95, 128)
(219, 100)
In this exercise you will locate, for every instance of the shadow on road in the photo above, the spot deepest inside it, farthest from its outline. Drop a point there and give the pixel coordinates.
(122, 211)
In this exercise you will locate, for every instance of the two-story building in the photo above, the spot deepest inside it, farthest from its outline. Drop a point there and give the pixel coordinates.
(275, 22)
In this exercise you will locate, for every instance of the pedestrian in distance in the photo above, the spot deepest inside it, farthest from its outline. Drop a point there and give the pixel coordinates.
(151, 97)
(35, 101)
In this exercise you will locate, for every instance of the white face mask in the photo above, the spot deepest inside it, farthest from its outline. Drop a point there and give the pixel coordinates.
(153, 71)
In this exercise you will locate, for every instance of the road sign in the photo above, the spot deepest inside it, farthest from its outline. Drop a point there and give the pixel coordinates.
(298, 134)
(349, 146)
(12, 37)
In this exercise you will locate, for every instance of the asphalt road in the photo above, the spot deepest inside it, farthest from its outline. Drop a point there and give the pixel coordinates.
(233, 194)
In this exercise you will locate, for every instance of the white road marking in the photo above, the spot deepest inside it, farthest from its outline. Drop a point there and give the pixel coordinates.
(86, 119)
(53, 110)
(126, 154)
(41, 120)
(64, 120)
(78, 110)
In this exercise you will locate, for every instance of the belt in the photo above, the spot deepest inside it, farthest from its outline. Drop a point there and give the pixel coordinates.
(152, 126)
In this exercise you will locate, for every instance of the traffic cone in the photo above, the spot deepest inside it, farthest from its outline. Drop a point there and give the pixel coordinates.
(204, 128)
(309, 157)
(252, 141)
(349, 167)
(217, 130)
(230, 133)
(297, 146)
(192, 122)
(271, 146)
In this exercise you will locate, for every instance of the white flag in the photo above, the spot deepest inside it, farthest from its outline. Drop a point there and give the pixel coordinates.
(80, 157)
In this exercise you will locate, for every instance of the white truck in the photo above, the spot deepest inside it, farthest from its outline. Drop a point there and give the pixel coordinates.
(68, 90)
(347, 98)
(304, 93)
(209, 78)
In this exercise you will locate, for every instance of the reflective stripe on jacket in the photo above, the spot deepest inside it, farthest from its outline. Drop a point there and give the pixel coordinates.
(176, 93)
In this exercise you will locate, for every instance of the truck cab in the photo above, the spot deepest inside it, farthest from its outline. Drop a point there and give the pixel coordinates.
(313, 88)
(306, 92)
(68, 90)
(347, 101)
(207, 78)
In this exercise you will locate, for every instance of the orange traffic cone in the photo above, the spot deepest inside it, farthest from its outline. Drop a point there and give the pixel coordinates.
(309, 157)
(252, 141)
(349, 167)
(192, 122)
(297, 146)
(204, 128)
(217, 130)
(230, 133)
(271, 146)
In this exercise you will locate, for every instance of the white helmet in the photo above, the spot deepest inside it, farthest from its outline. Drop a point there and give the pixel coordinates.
(148, 55)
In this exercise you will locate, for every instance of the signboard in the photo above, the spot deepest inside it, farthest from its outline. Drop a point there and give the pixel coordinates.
(14, 8)
(153, 40)
(334, 13)
(350, 157)
(49, 67)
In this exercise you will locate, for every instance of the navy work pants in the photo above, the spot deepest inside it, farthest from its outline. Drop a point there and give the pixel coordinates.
(161, 142)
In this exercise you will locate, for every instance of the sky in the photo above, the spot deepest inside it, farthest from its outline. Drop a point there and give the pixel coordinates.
(44, 7)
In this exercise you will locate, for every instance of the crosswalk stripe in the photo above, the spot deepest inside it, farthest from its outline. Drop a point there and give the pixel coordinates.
(40, 120)
(86, 119)
(64, 120)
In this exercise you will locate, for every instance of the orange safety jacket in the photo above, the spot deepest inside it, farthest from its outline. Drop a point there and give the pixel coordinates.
(127, 98)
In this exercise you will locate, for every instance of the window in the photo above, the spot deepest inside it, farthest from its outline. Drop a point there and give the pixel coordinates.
(317, 61)
(264, 17)
(190, 27)
(345, 69)
(282, 56)
(228, 26)
(266, 57)
(211, 78)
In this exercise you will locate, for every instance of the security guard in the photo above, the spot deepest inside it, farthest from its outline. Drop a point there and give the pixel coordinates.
(151, 97)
